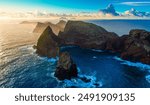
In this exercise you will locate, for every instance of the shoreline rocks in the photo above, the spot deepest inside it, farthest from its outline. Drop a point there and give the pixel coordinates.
(137, 46)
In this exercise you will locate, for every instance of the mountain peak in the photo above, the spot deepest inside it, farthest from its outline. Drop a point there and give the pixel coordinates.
(47, 44)
(48, 30)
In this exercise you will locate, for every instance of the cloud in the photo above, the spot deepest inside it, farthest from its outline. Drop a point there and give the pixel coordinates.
(133, 12)
(108, 13)
(110, 10)
(144, 3)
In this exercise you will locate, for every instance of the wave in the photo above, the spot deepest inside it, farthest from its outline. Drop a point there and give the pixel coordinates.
(27, 48)
(94, 57)
(65, 47)
(97, 50)
(83, 81)
(148, 78)
(133, 64)
(50, 60)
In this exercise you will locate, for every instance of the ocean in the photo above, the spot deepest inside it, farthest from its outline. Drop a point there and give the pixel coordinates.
(21, 67)
(122, 27)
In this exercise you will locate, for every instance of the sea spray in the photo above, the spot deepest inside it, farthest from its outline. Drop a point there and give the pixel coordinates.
(133, 64)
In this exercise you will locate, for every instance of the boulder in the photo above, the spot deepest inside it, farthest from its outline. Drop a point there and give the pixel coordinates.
(66, 68)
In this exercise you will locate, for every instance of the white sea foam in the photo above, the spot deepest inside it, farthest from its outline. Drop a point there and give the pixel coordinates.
(97, 50)
(28, 47)
(94, 57)
(51, 60)
(133, 64)
(77, 82)
(148, 78)
(64, 47)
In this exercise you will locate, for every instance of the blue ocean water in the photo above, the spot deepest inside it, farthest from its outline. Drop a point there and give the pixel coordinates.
(21, 67)
(122, 27)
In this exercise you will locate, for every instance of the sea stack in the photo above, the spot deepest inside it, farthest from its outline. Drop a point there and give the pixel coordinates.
(66, 68)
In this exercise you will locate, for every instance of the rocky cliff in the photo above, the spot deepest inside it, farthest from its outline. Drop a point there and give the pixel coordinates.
(47, 44)
(86, 35)
(136, 46)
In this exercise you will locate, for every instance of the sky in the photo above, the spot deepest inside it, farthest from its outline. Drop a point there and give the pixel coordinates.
(92, 8)
(73, 6)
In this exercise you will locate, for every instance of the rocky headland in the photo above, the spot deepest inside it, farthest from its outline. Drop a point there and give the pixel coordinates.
(86, 35)
(134, 47)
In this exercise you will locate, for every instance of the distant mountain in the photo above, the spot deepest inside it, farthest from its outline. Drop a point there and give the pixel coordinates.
(61, 24)
(28, 22)
(109, 10)
(134, 12)
(56, 28)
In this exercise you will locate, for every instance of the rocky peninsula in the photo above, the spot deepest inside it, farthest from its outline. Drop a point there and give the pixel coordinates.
(134, 47)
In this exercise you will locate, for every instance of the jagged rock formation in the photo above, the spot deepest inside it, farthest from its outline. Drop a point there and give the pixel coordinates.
(56, 28)
(66, 68)
(136, 46)
(133, 47)
(48, 45)
(61, 24)
(86, 35)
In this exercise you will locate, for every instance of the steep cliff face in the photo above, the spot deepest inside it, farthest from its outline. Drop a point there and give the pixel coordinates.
(61, 24)
(56, 28)
(86, 35)
(40, 27)
(47, 44)
(137, 46)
